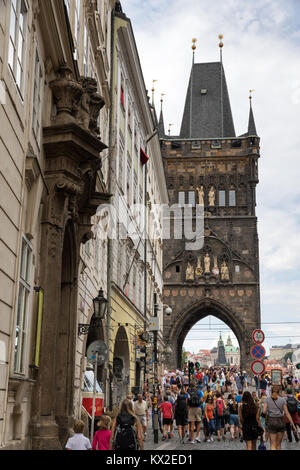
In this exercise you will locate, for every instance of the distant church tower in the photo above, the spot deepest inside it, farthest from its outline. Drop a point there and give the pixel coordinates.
(221, 359)
(209, 165)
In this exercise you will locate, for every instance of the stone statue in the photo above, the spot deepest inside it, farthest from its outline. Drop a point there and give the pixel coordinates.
(211, 196)
(215, 269)
(189, 274)
(201, 195)
(199, 270)
(224, 272)
(207, 263)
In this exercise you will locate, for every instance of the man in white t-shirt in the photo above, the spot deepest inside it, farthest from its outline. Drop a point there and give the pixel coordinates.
(78, 441)
(140, 409)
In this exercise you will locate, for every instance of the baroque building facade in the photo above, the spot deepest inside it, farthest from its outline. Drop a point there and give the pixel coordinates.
(209, 167)
(54, 70)
(76, 129)
(138, 184)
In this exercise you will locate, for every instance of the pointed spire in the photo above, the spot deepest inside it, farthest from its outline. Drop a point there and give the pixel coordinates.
(251, 124)
(153, 90)
(161, 124)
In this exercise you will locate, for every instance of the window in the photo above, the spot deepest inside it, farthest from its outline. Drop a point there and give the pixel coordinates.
(16, 49)
(222, 201)
(128, 179)
(77, 26)
(85, 53)
(192, 198)
(181, 198)
(121, 162)
(232, 197)
(122, 96)
(37, 86)
(23, 307)
(67, 3)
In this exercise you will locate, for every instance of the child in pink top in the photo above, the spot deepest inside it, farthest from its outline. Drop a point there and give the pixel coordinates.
(102, 437)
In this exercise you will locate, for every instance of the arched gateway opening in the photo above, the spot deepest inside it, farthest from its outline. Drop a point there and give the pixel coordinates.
(196, 312)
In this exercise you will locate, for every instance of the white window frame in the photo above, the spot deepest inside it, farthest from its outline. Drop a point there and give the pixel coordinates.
(17, 44)
(23, 307)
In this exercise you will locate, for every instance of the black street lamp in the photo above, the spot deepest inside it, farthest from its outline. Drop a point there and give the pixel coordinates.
(100, 309)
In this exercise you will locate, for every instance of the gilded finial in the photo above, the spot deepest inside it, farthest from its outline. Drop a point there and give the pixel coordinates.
(162, 94)
(194, 40)
(250, 96)
(170, 128)
(221, 43)
(153, 81)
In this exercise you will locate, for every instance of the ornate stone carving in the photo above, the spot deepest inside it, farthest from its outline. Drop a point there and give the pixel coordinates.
(211, 196)
(207, 263)
(201, 196)
(189, 274)
(224, 272)
(66, 94)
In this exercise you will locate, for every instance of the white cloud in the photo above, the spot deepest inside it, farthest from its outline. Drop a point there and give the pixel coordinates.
(261, 51)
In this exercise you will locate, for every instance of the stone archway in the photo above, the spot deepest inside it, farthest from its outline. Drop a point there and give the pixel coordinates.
(66, 331)
(184, 321)
(121, 367)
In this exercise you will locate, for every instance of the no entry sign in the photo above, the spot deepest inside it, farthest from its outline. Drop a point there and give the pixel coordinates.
(257, 367)
(258, 336)
(258, 351)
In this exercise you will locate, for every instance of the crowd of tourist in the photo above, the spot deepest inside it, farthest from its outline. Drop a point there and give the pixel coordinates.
(211, 404)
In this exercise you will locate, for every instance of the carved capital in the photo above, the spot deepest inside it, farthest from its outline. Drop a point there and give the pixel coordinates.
(66, 93)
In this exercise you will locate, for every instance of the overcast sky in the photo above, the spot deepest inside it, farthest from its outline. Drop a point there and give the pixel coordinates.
(261, 52)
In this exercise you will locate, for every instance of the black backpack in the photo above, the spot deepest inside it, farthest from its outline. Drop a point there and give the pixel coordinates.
(292, 405)
(181, 403)
(194, 399)
(125, 434)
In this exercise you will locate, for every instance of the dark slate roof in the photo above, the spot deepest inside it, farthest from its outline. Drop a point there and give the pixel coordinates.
(251, 125)
(206, 107)
(161, 126)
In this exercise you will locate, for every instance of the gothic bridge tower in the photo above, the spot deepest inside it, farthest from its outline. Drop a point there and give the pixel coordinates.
(208, 164)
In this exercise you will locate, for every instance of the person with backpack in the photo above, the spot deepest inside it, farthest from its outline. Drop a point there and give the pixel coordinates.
(233, 417)
(292, 406)
(126, 431)
(219, 415)
(250, 421)
(181, 415)
(194, 412)
(274, 409)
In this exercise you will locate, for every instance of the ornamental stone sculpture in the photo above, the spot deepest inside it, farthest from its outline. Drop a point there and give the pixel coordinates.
(207, 263)
(201, 195)
(189, 274)
(211, 196)
(224, 272)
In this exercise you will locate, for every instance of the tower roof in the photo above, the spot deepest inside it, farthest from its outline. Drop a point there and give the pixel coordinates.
(161, 125)
(208, 114)
(251, 124)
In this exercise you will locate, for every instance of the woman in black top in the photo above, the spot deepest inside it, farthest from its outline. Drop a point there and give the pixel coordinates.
(249, 419)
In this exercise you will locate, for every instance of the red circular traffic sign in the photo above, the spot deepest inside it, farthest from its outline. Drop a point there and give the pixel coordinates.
(258, 351)
(258, 336)
(257, 367)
